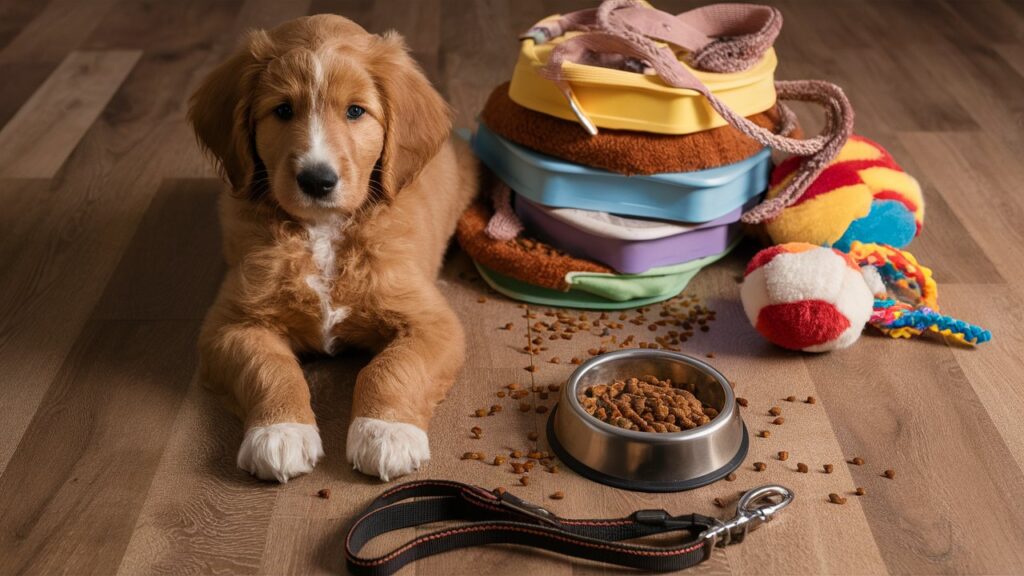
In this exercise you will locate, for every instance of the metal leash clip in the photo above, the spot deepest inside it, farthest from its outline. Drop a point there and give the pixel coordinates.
(755, 507)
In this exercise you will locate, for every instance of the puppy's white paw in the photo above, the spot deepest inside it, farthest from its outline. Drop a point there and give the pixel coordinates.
(386, 449)
(280, 451)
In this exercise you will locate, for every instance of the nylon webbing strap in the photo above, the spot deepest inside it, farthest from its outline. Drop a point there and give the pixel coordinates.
(504, 519)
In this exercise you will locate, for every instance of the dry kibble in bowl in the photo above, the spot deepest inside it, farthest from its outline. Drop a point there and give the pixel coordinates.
(645, 404)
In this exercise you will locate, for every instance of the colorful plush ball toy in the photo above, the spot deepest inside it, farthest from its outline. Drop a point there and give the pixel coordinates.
(863, 195)
(806, 297)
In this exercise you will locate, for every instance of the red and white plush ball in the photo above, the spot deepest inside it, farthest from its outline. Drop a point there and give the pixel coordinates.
(806, 297)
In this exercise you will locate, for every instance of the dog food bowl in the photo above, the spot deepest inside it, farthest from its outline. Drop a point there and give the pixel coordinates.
(643, 461)
(698, 196)
(627, 255)
(632, 101)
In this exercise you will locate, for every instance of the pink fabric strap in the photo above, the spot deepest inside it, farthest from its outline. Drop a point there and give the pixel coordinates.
(719, 38)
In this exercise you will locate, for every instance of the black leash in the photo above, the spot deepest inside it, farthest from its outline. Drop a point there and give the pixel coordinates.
(493, 518)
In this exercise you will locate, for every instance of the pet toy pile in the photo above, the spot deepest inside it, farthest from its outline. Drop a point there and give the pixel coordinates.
(627, 146)
(631, 145)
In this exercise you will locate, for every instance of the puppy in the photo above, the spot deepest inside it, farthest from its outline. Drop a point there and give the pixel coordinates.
(345, 190)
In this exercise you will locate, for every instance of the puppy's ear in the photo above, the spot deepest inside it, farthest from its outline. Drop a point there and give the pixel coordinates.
(417, 120)
(220, 111)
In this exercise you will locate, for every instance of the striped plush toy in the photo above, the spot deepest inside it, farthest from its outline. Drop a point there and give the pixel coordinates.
(863, 196)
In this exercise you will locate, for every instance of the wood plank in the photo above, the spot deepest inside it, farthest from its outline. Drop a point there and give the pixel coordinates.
(60, 28)
(121, 415)
(40, 137)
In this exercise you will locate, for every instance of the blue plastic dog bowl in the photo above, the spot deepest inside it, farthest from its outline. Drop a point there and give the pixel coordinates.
(685, 196)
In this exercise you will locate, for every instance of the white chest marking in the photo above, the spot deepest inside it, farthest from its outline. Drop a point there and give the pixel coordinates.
(321, 244)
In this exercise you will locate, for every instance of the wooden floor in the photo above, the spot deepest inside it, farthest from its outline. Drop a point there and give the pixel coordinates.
(114, 460)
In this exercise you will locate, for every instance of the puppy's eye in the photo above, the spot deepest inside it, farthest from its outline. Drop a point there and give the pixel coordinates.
(284, 111)
(354, 112)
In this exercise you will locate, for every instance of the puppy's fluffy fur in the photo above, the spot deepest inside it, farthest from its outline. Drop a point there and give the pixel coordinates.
(356, 266)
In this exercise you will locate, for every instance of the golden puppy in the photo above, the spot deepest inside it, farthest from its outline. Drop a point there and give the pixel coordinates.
(345, 192)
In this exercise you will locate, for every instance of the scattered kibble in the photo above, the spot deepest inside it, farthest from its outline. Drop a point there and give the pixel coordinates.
(790, 398)
(775, 411)
(857, 461)
(513, 386)
(731, 477)
(710, 354)
(890, 474)
(760, 466)
(828, 468)
(509, 326)
(802, 468)
(324, 493)
(811, 400)
(553, 469)
(555, 360)
(554, 387)
(481, 299)
(530, 368)
(718, 503)
(742, 401)
(532, 436)
(859, 491)
(499, 460)
(783, 455)
(779, 421)
(494, 410)
(472, 456)
(516, 454)
(501, 393)
(541, 409)
(836, 498)
(766, 433)
(524, 480)
(535, 455)
(525, 406)
(558, 495)
(480, 412)
(500, 490)
(476, 431)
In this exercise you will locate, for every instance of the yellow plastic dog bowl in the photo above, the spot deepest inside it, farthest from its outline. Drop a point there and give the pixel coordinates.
(630, 101)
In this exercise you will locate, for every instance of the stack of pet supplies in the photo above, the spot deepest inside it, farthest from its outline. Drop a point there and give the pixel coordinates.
(630, 145)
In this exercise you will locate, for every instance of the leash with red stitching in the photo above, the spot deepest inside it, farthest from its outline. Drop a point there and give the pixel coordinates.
(493, 518)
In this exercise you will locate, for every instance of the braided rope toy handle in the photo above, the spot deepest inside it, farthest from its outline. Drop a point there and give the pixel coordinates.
(720, 38)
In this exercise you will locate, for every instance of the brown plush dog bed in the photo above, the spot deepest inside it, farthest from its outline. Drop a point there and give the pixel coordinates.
(622, 151)
(524, 259)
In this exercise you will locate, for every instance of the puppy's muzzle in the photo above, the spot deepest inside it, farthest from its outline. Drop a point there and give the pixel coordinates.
(317, 180)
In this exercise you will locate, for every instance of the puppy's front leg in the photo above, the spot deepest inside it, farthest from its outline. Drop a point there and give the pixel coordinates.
(396, 393)
(262, 377)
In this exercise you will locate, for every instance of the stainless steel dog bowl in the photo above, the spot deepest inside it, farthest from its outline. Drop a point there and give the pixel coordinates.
(649, 462)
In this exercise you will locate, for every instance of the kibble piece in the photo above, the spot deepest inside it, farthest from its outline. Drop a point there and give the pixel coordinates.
(828, 468)
(859, 491)
(775, 411)
(557, 495)
(524, 480)
(481, 299)
(783, 455)
(530, 368)
(718, 503)
(324, 493)
(779, 421)
(476, 431)
(525, 406)
(730, 477)
(513, 386)
(857, 461)
(766, 433)
(836, 498)
(790, 398)
(480, 412)
(742, 401)
(760, 466)
(501, 393)
(801, 467)
(535, 455)
(555, 360)
(516, 454)
(494, 409)
(542, 409)
(499, 460)
(509, 326)
(500, 490)
(890, 474)
(532, 436)
(553, 469)
(811, 400)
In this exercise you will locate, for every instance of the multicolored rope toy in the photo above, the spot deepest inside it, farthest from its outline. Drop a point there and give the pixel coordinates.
(906, 299)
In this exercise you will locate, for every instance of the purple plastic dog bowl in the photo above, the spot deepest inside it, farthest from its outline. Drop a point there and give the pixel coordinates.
(647, 248)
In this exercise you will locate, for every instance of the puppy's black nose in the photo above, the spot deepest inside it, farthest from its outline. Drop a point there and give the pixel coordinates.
(317, 180)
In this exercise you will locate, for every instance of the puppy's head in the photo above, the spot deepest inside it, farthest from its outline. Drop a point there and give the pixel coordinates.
(319, 116)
